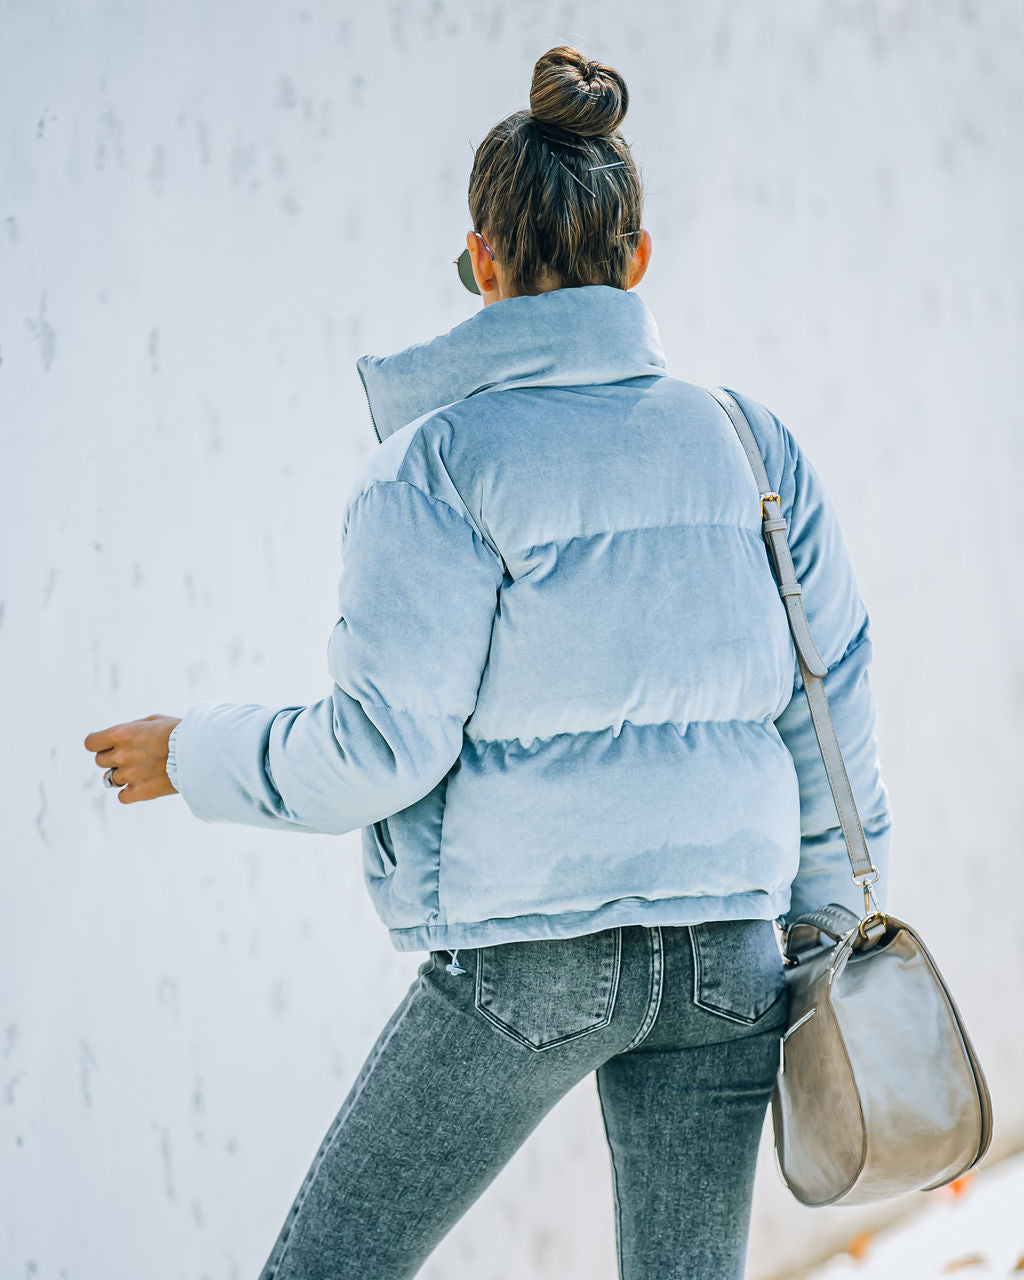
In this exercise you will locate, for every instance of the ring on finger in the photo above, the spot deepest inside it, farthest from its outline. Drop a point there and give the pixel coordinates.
(108, 778)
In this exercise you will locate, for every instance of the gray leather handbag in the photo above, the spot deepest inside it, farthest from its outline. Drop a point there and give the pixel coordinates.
(879, 1089)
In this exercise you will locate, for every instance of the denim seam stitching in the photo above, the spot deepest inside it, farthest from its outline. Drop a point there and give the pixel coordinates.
(720, 1010)
(657, 987)
(273, 1267)
(739, 1018)
(615, 1179)
(512, 1033)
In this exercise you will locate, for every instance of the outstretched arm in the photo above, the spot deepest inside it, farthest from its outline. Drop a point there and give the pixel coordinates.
(417, 599)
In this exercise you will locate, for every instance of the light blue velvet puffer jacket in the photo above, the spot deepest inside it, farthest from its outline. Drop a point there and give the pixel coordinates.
(564, 692)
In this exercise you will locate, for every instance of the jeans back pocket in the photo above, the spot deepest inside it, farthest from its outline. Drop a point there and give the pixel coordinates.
(737, 968)
(545, 992)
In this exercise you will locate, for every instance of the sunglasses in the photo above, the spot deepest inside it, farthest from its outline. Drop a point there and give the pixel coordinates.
(465, 266)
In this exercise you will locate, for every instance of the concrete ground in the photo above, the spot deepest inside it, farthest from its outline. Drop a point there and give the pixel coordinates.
(974, 1228)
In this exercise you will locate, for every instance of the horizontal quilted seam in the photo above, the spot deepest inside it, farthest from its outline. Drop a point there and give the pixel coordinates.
(753, 530)
(683, 725)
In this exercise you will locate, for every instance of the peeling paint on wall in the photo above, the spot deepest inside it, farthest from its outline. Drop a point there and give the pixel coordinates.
(86, 1070)
(43, 333)
(167, 1165)
(41, 815)
(109, 139)
(157, 172)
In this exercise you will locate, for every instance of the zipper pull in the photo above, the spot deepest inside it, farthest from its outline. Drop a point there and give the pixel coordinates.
(453, 967)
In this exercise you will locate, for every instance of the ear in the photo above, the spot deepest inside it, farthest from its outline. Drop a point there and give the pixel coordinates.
(640, 260)
(483, 267)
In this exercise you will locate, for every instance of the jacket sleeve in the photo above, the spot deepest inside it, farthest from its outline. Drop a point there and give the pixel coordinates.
(417, 598)
(840, 626)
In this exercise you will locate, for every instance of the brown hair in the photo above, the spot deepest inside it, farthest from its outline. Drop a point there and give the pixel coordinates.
(555, 189)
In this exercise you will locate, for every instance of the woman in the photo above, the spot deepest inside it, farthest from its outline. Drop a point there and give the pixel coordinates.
(565, 713)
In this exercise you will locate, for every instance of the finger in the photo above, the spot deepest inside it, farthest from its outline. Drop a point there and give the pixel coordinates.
(99, 741)
(104, 739)
(110, 758)
(145, 789)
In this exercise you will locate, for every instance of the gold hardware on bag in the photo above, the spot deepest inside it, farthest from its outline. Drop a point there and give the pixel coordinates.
(863, 883)
(769, 497)
(872, 928)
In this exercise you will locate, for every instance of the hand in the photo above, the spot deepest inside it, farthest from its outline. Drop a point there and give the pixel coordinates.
(137, 751)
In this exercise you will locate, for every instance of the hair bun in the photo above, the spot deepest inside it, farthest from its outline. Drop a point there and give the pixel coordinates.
(577, 95)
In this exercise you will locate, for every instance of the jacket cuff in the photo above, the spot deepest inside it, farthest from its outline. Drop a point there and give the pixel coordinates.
(172, 757)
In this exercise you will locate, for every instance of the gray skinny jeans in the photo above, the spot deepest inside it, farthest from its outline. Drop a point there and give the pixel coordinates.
(682, 1025)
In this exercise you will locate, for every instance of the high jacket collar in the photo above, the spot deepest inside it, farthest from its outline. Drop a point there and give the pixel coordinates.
(564, 338)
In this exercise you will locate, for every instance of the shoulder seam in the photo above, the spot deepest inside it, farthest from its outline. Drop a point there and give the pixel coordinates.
(438, 502)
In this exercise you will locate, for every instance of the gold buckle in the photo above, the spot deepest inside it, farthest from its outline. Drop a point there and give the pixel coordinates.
(864, 881)
(873, 928)
(768, 497)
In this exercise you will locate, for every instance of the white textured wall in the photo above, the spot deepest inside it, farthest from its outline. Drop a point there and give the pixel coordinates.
(207, 211)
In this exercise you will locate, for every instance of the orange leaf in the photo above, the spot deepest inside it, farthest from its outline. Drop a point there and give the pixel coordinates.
(1020, 1264)
(961, 1264)
(860, 1244)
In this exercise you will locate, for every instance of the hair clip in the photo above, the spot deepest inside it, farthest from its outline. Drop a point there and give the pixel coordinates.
(615, 164)
(579, 180)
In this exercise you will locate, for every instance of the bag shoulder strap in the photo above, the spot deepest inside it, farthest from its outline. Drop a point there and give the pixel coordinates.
(812, 667)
